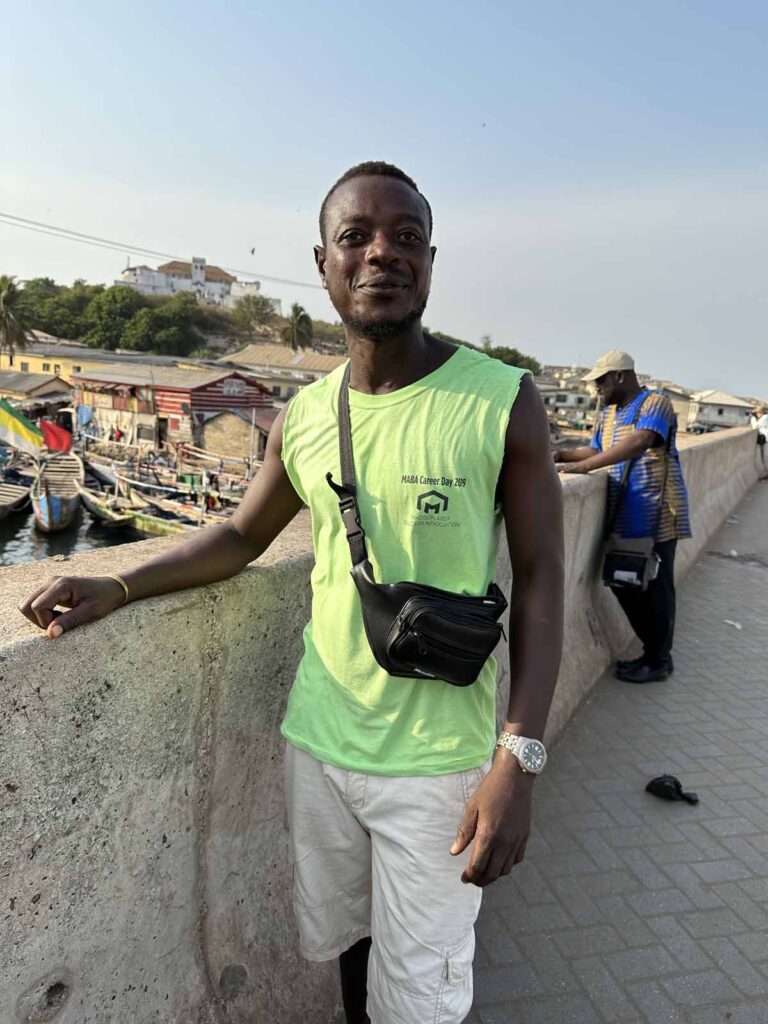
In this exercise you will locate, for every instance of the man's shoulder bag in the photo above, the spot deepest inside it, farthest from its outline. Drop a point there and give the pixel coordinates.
(631, 563)
(413, 630)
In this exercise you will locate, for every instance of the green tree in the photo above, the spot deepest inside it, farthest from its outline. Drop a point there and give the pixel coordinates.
(298, 330)
(449, 338)
(108, 313)
(513, 356)
(167, 329)
(37, 291)
(331, 335)
(252, 311)
(57, 309)
(12, 321)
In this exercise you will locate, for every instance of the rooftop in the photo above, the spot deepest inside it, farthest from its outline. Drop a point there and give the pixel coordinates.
(27, 383)
(719, 398)
(180, 268)
(262, 418)
(266, 355)
(668, 385)
(164, 377)
(62, 348)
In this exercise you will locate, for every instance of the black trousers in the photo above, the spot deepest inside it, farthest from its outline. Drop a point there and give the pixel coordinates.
(651, 612)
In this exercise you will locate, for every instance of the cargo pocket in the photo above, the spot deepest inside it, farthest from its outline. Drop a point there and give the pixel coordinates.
(471, 779)
(455, 996)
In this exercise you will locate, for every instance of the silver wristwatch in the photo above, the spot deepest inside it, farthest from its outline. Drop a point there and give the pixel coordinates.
(531, 754)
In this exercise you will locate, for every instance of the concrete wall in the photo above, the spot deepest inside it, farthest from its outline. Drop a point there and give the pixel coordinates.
(143, 865)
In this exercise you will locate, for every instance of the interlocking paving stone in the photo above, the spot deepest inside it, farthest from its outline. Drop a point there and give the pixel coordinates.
(606, 993)
(628, 909)
(508, 981)
(633, 964)
(654, 1004)
(754, 1013)
(736, 966)
(686, 950)
(585, 941)
(700, 988)
(705, 923)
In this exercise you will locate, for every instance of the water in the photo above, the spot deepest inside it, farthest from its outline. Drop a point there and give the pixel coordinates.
(20, 541)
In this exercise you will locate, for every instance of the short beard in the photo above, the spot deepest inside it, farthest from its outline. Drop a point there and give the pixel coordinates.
(379, 331)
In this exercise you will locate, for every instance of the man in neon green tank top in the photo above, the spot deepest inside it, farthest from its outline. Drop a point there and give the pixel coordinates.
(402, 804)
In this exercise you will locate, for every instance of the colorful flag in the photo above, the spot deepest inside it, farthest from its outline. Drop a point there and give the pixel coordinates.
(57, 439)
(17, 431)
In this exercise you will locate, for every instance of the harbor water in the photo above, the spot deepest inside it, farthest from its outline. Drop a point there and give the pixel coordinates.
(21, 541)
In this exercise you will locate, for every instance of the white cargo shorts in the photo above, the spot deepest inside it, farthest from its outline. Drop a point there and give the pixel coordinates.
(371, 857)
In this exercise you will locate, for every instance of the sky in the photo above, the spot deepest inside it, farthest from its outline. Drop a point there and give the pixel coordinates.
(597, 170)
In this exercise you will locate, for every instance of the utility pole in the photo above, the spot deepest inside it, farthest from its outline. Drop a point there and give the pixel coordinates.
(250, 452)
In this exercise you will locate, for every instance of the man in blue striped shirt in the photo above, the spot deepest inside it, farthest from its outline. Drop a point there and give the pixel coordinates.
(640, 425)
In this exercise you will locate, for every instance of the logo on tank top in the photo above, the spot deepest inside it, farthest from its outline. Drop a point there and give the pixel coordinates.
(432, 501)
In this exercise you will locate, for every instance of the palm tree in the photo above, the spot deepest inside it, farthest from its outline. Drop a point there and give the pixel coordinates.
(12, 334)
(298, 331)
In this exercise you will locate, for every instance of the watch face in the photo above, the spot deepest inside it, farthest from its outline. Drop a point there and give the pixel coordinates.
(533, 755)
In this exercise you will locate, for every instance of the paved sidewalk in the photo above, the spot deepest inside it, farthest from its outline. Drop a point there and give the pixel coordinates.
(629, 909)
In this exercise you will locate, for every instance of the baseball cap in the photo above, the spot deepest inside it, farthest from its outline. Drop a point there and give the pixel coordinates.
(614, 360)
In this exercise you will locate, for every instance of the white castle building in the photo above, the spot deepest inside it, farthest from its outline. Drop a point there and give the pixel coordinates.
(208, 283)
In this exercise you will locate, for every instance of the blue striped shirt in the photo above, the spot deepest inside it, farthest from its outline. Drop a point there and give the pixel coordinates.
(639, 508)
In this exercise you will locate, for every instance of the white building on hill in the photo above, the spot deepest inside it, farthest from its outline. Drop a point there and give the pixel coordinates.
(208, 283)
(718, 409)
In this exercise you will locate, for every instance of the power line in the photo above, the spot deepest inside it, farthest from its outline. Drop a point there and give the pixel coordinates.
(11, 220)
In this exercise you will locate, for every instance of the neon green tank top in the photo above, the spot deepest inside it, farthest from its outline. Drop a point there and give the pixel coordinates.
(427, 459)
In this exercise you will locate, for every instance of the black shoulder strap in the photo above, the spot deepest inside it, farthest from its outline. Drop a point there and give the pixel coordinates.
(346, 492)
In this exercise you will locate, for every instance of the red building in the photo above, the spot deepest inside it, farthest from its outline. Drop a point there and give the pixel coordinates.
(152, 404)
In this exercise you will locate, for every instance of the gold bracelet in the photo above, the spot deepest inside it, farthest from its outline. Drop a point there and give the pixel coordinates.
(121, 581)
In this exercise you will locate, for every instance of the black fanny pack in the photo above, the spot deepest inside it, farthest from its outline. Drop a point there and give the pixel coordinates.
(413, 630)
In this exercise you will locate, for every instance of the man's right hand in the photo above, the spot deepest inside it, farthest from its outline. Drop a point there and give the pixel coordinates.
(88, 598)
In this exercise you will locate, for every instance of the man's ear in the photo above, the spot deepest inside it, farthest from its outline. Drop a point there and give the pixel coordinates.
(320, 263)
(433, 250)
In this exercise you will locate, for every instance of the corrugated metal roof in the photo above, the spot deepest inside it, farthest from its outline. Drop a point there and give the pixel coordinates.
(160, 376)
(61, 348)
(719, 398)
(51, 398)
(15, 380)
(281, 356)
(263, 418)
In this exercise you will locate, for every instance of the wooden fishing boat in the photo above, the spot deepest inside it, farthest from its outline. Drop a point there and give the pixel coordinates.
(186, 511)
(106, 470)
(55, 495)
(120, 511)
(102, 508)
(13, 497)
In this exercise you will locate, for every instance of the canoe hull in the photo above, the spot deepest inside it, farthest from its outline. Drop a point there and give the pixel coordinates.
(13, 498)
(136, 519)
(55, 496)
(53, 513)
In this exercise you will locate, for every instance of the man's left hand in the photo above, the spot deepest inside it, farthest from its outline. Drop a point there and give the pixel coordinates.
(573, 467)
(498, 818)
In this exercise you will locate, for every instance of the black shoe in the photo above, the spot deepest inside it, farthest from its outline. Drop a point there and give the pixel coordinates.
(645, 673)
(622, 666)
